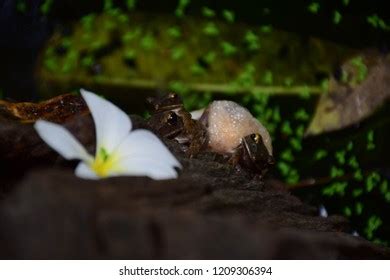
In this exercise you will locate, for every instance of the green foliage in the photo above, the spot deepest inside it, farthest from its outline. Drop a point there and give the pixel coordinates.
(108, 5)
(178, 52)
(181, 6)
(266, 29)
(148, 42)
(228, 15)
(174, 32)
(346, 2)
(362, 70)
(373, 223)
(87, 21)
(228, 49)
(376, 22)
(211, 29)
(370, 140)
(45, 7)
(207, 12)
(320, 154)
(130, 4)
(314, 7)
(337, 17)
(252, 40)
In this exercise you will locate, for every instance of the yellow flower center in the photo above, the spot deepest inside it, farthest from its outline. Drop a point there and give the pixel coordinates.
(103, 163)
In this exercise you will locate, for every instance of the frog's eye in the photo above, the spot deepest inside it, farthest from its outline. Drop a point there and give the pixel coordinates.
(172, 118)
(172, 95)
(256, 137)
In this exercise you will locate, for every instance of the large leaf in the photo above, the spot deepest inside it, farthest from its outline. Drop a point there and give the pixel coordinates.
(356, 90)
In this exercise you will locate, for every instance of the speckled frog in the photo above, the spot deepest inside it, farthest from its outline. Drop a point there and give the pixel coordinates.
(169, 119)
(252, 155)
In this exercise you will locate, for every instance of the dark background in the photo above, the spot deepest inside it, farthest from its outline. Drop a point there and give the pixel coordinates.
(22, 34)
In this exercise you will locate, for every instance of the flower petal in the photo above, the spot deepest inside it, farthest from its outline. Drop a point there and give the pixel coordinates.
(143, 143)
(141, 166)
(112, 125)
(85, 172)
(60, 139)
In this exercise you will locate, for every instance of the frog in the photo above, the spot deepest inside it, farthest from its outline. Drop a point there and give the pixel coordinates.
(168, 102)
(167, 124)
(173, 121)
(252, 155)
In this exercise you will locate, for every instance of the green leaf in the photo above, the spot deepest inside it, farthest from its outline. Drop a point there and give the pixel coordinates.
(130, 4)
(284, 168)
(207, 12)
(196, 69)
(362, 69)
(108, 5)
(370, 140)
(387, 197)
(373, 223)
(301, 115)
(46, 6)
(372, 180)
(87, 21)
(286, 128)
(266, 29)
(296, 144)
(357, 192)
(358, 176)
(353, 162)
(210, 57)
(228, 48)
(174, 32)
(340, 156)
(336, 172)
(268, 78)
(359, 208)
(320, 154)
(177, 53)
(178, 86)
(384, 187)
(228, 15)
(314, 7)
(287, 155)
(300, 131)
(148, 42)
(182, 5)
(305, 93)
(337, 17)
(211, 29)
(293, 177)
(252, 40)
(347, 211)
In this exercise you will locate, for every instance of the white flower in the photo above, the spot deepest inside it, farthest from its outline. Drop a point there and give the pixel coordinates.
(119, 151)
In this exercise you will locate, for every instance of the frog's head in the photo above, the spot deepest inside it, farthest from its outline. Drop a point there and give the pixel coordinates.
(257, 153)
(169, 102)
(170, 125)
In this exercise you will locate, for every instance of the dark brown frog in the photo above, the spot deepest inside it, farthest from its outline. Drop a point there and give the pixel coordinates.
(171, 120)
(252, 155)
